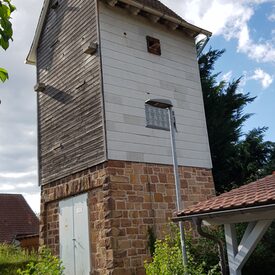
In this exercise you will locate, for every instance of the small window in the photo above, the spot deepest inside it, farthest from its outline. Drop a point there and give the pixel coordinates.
(153, 45)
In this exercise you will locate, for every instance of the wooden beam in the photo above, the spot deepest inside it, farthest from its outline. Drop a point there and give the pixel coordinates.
(40, 87)
(247, 232)
(238, 255)
(134, 10)
(153, 18)
(231, 245)
(89, 48)
(248, 244)
(171, 25)
(112, 3)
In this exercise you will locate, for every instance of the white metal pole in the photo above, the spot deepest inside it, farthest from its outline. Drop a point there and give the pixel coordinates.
(180, 204)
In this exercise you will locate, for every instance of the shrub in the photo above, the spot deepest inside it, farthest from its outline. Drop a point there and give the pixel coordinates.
(12, 258)
(47, 264)
(167, 259)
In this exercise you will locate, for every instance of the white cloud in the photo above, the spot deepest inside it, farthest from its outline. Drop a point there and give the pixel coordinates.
(244, 79)
(33, 200)
(271, 17)
(226, 77)
(17, 175)
(229, 18)
(265, 78)
(258, 74)
(6, 187)
(25, 185)
(18, 160)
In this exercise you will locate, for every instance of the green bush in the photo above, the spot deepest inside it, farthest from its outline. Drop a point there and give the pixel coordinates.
(167, 259)
(47, 264)
(13, 258)
(14, 261)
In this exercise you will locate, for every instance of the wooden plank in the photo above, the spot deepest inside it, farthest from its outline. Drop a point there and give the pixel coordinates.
(117, 127)
(135, 25)
(70, 114)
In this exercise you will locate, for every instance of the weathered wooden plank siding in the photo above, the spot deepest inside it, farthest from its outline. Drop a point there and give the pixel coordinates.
(131, 75)
(71, 108)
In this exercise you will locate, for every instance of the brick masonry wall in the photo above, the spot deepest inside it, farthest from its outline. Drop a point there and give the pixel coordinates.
(125, 199)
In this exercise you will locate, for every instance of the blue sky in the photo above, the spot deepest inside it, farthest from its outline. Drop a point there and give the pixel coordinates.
(245, 28)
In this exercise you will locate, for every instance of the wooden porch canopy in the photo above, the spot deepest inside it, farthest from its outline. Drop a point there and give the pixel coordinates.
(253, 203)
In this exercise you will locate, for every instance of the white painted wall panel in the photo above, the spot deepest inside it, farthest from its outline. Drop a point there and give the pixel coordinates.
(131, 75)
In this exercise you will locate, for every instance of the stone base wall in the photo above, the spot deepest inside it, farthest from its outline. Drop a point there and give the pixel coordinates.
(125, 200)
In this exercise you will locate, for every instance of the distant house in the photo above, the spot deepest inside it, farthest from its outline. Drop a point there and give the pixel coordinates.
(17, 220)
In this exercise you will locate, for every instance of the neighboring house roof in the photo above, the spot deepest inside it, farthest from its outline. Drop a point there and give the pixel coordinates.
(253, 195)
(16, 217)
(154, 7)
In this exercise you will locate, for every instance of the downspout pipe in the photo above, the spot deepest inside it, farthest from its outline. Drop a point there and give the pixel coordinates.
(222, 255)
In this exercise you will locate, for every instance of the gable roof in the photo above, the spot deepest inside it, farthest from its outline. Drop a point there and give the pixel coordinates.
(255, 194)
(153, 7)
(16, 217)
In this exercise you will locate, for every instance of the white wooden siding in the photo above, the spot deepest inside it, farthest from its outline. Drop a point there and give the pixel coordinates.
(131, 75)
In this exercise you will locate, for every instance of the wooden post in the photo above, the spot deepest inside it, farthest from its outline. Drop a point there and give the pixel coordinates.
(239, 254)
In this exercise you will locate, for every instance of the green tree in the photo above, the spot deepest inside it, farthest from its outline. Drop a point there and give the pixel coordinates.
(254, 157)
(6, 32)
(237, 158)
(224, 107)
(270, 166)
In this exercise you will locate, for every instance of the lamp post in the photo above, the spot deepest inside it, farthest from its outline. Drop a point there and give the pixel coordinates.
(167, 104)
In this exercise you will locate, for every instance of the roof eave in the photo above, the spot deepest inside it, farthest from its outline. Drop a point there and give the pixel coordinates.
(31, 57)
(182, 23)
(215, 217)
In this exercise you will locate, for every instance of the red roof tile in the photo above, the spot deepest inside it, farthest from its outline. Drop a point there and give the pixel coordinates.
(16, 217)
(258, 193)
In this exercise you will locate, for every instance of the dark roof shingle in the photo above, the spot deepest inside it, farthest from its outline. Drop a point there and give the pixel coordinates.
(260, 192)
(157, 5)
(16, 217)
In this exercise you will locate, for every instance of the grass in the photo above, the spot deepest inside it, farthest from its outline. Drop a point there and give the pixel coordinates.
(12, 258)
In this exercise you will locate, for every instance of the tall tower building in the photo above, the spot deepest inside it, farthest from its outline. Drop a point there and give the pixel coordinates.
(105, 178)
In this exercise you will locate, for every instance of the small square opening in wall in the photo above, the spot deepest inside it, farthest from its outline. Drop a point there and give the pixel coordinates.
(153, 45)
(55, 4)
